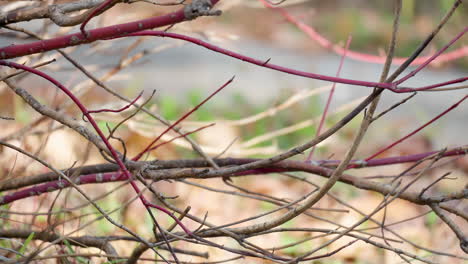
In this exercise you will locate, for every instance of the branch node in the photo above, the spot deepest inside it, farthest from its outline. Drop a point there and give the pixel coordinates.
(464, 246)
(200, 8)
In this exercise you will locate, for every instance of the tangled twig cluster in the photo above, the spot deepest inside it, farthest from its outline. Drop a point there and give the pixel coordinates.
(202, 232)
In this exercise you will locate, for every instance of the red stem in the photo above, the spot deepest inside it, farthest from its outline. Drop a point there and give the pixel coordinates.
(14, 51)
(148, 148)
(414, 132)
(325, 43)
(118, 110)
(180, 136)
(100, 133)
(93, 13)
(330, 96)
(262, 63)
(389, 86)
(413, 73)
(117, 176)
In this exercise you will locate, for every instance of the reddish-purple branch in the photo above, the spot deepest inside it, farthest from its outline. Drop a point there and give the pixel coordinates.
(91, 120)
(330, 96)
(392, 160)
(437, 54)
(135, 29)
(148, 148)
(93, 13)
(325, 43)
(118, 176)
(180, 136)
(14, 51)
(432, 86)
(118, 110)
(389, 86)
(60, 184)
(415, 131)
(262, 63)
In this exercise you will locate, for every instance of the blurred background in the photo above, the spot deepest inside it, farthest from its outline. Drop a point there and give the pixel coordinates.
(183, 74)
